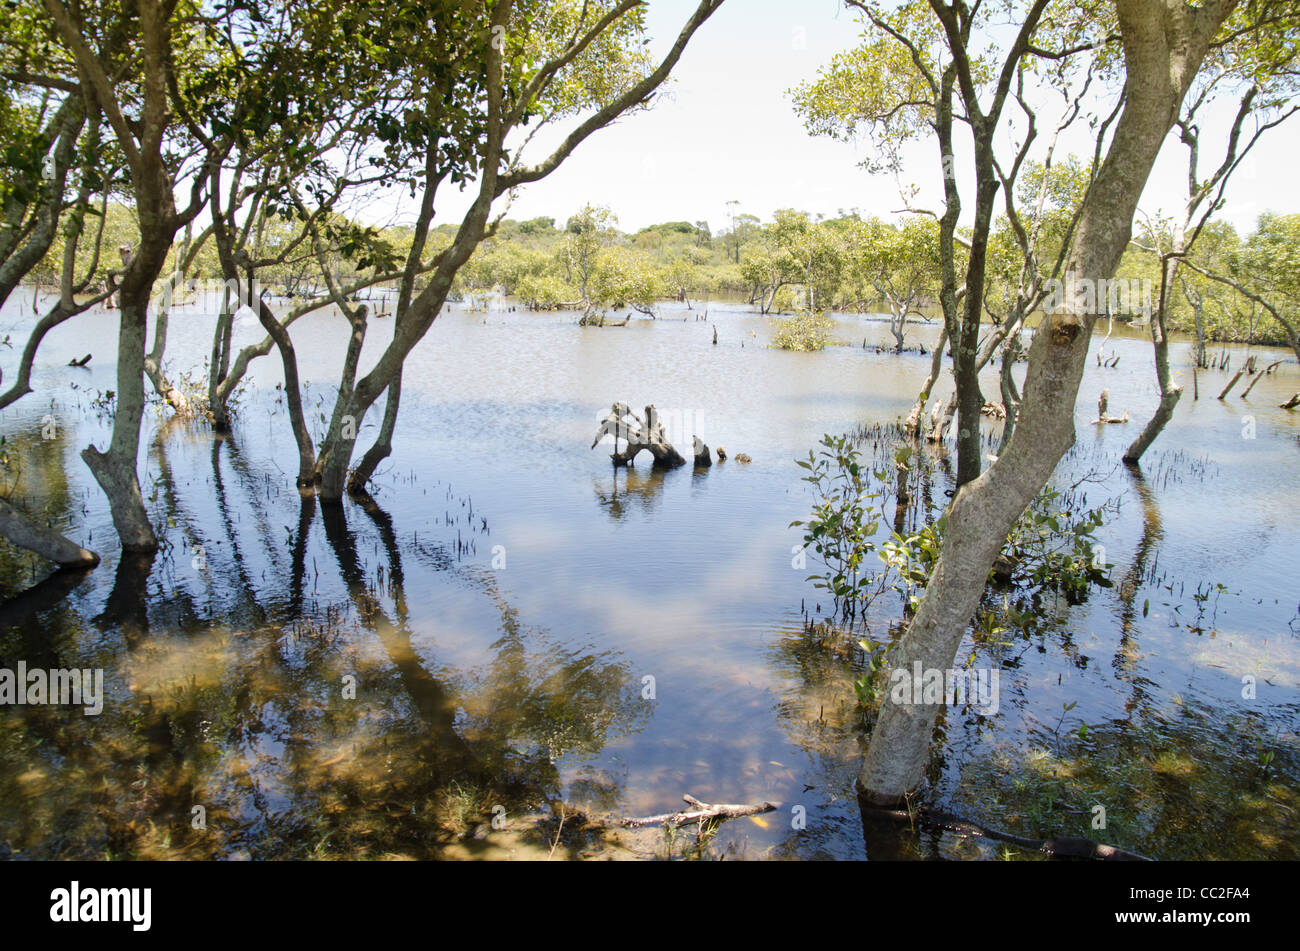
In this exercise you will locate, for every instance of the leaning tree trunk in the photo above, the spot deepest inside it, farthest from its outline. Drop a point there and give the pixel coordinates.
(913, 424)
(46, 542)
(343, 423)
(383, 444)
(22, 384)
(966, 355)
(1164, 44)
(1170, 392)
(942, 419)
(153, 362)
(292, 392)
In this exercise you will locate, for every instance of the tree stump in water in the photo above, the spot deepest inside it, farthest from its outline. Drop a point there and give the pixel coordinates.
(640, 434)
(1103, 402)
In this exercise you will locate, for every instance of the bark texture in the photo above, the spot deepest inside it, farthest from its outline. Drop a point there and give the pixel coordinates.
(1164, 44)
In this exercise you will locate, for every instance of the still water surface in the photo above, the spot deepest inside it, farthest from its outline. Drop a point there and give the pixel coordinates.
(524, 685)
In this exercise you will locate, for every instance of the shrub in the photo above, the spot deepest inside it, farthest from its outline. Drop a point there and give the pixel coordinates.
(804, 332)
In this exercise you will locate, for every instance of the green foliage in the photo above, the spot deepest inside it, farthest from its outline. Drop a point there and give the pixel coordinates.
(623, 278)
(876, 89)
(1269, 265)
(804, 332)
(842, 528)
(1052, 547)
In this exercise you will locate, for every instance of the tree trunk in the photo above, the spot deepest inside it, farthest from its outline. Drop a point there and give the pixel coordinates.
(45, 541)
(22, 385)
(913, 424)
(219, 384)
(344, 426)
(897, 325)
(292, 393)
(1170, 392)
(153, 362)
(1164, 44)
(943, 419)
(383, 445)
(1010, 394)
(115, 470)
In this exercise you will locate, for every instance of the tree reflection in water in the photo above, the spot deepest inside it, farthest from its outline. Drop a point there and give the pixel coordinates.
(230, 727)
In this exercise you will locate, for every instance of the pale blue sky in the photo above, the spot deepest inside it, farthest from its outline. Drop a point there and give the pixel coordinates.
(727, 131)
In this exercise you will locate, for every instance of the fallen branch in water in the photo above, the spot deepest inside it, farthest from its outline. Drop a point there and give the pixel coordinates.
(703, 812)
(80, 363)
(1057, 846)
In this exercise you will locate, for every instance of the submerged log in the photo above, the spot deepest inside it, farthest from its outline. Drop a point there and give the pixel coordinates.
(645, 433)
(46, 542)
(1292, 403)
(701, 813)
(1057, 846)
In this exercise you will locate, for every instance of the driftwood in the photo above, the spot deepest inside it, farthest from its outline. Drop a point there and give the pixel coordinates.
(1292, 403)
(1259, 376)
(1231, 383)
(1247, 367)
(646, 433)
(701, 813)
(1057, 846)
(1103, 403)
(82, 362)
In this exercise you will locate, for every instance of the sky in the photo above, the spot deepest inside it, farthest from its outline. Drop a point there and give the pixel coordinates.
(726, 130)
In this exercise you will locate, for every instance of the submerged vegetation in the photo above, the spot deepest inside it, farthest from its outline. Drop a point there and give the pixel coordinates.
(1051, 547)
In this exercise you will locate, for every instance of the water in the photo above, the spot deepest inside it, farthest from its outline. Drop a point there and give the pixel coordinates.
(368, 683)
